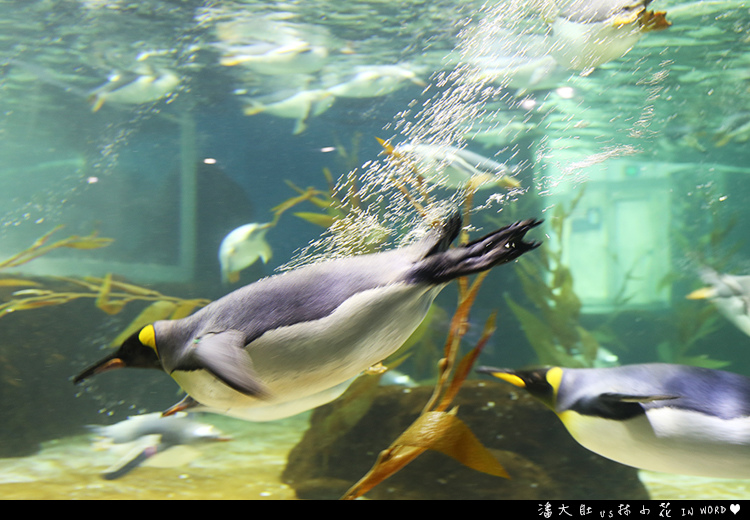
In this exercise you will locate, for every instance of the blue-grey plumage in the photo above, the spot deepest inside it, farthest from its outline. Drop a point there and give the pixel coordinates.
(660, 417)
(293, 341)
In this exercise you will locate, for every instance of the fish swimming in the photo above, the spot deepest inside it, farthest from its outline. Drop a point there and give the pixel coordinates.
(292, 57)
(294, 341)
(589, 33)
(300, 106)
(455, 168)
(144, 86)
(375, 81)
(730, 294)
(241, 248)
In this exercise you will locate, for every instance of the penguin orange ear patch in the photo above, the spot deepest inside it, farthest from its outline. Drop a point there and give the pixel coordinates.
(147, 336)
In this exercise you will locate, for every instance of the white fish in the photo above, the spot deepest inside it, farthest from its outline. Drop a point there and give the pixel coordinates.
(294, 57)
(375, 81)
(736, 128)
(452, 167)
(145, 86)
(589, 33)
(241, 248)
(393, 377)
(730, 294)
(501, 134)
(527, 75)
(300, 107)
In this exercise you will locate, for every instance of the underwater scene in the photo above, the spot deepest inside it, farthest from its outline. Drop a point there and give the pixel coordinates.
(446, 249)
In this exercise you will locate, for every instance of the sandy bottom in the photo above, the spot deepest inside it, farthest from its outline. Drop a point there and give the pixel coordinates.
(249, 467)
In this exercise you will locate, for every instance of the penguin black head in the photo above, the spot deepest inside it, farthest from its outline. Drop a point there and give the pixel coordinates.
(138, 351)
(541, 383)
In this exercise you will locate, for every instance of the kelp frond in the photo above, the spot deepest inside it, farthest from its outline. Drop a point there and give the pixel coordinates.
(437, 429)
(41, 247)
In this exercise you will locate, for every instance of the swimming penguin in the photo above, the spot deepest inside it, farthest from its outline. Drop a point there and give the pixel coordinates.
(730, 294)
(295, 340)
(241, 248)
(159, 435)
(659, 417)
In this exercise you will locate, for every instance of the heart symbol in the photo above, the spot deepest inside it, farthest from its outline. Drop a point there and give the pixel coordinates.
(734, 508)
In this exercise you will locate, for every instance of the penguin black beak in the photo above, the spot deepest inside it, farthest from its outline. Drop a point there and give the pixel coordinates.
(111, 362)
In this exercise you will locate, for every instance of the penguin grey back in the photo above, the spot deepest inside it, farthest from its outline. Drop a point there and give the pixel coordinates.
(707, 391)
(315, 291)
(306, 294)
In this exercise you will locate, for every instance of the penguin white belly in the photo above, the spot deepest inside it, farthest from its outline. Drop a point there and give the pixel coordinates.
(307, 359)
(669, 440)
(272, 412)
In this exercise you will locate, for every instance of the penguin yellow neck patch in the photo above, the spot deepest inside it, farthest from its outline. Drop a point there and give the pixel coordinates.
(554, 377)
(147, 336)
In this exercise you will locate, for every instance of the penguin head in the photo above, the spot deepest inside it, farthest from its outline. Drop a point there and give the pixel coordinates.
(138, 351)
(542, 383)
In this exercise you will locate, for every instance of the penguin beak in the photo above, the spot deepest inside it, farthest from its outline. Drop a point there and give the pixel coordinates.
(504, 374)
(110, 362)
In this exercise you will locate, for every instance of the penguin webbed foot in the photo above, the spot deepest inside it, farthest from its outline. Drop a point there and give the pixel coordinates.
(187, 403)
(501, 246)
(223, 355)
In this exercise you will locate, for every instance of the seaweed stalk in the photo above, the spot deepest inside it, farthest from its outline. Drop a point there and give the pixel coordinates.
(435, 428)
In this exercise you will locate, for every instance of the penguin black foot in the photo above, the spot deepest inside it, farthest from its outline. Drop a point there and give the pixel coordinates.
(499, 247)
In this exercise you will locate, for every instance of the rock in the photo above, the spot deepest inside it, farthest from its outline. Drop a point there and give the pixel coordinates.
(527, 438)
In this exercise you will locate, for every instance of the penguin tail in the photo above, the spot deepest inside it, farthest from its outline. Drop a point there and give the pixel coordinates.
(502, 246)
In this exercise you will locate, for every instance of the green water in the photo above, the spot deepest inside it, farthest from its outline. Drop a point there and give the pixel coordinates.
(653, 141)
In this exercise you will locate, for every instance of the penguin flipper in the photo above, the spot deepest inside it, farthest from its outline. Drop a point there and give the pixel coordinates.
(626, 398)
(223, 354)
(499, 247)
(123, 468)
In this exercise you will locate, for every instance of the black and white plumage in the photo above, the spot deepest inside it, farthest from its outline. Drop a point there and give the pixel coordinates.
(294, 341)
(656, 416)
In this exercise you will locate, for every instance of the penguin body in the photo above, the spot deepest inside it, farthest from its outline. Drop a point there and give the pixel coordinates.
(659, 417)
(294, 340)
(150, 435)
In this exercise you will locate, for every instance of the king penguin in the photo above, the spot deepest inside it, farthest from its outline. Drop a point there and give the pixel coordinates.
(294, 341)
(659, 417)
